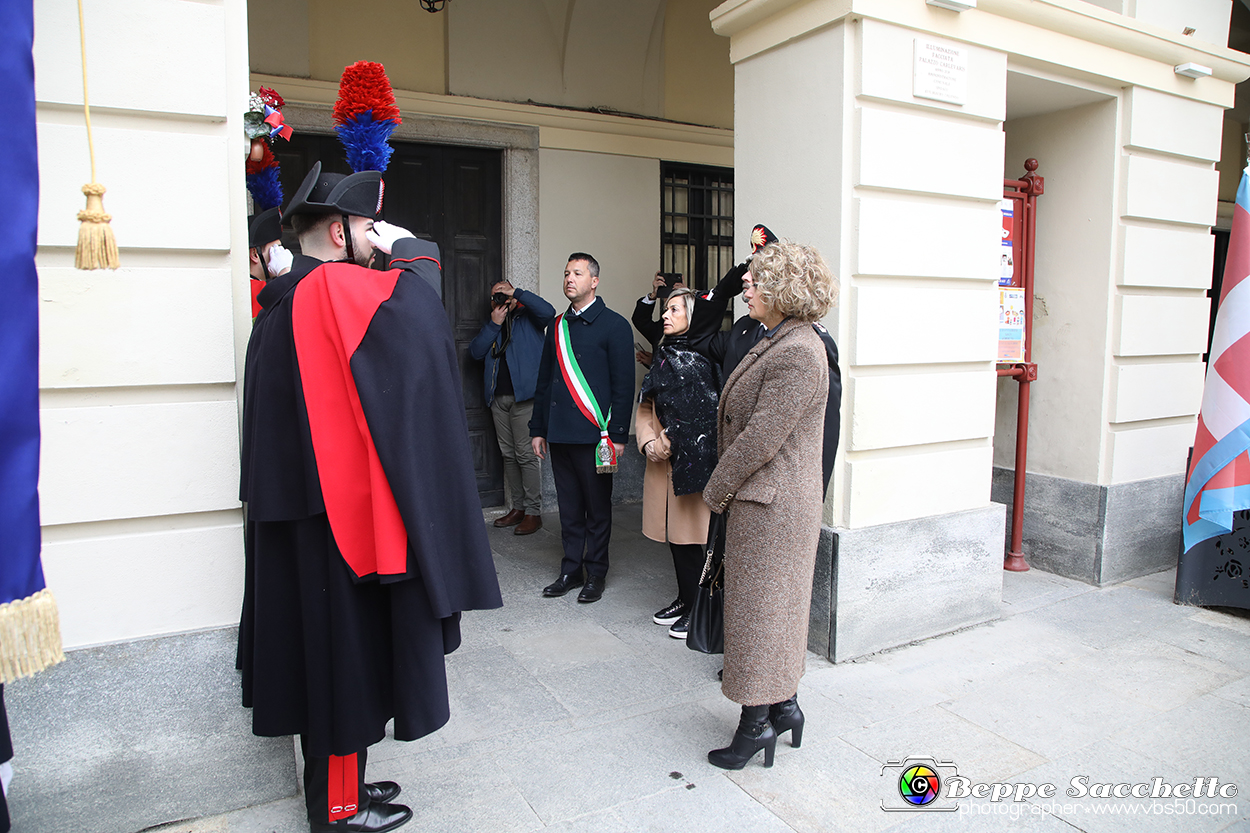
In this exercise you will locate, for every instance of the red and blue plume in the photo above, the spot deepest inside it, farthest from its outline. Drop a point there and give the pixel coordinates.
(365, 115)
(263, 181)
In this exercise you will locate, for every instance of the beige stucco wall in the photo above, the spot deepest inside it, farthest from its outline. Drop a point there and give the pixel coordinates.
(774, 94)
(921, 348)
(318, 38)
(829, 156)
(608, 206)
(1130, 194)
(139, 479)
(398, 34)
(653, 58)
(1208, 18)
(698, 78)
(1123, 262)
(1161, 312)
(1076, 150)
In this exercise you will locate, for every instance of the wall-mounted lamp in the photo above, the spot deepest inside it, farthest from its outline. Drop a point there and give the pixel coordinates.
(1192, 70)
(954, 5)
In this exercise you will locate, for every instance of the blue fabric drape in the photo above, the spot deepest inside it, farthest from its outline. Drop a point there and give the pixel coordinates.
(20, 570)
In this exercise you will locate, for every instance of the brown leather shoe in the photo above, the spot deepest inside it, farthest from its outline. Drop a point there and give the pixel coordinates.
(511, 519)
(529, 525)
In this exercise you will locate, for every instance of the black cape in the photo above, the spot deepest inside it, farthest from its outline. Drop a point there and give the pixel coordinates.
(324, 652)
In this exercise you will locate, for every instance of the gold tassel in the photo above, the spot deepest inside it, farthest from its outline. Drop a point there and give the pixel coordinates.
(30, 636)
(97, 249)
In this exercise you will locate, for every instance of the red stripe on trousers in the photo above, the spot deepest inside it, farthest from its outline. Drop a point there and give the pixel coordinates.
(342, 787)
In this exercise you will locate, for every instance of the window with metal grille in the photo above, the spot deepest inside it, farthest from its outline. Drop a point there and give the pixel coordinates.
(696, 222)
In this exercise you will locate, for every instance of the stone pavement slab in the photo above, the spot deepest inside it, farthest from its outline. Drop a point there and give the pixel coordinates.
(578, 718)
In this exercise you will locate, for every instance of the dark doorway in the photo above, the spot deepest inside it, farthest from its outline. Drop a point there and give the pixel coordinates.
(452, 196)
(1217, 282)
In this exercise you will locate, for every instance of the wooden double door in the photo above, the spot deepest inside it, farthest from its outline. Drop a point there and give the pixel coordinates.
(452, 196)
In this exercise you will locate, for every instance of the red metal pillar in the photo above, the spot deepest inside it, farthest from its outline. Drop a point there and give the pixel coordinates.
(1024, 193)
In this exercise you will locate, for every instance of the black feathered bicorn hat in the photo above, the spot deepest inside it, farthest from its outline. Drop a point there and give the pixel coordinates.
(264, 227)
(358, 195)
(761, 236)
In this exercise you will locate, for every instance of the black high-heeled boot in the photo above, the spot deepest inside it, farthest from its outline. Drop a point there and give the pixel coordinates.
(754, 733)
(786, 716)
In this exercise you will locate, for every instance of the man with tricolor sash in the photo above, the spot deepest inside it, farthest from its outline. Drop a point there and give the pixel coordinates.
(582, 408)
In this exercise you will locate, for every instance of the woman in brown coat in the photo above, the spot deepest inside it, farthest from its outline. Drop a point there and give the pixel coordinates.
(676, 428)
(770, 432)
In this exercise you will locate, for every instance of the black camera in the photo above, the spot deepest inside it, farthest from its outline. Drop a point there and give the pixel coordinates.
(499, 299)
(670, 278)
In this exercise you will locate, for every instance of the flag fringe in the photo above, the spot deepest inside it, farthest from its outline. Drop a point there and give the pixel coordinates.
(30, 636)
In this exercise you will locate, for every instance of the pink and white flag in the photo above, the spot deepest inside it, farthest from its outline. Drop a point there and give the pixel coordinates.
(1219, 472)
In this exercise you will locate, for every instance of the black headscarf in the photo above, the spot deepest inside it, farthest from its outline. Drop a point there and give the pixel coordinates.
(686, 389)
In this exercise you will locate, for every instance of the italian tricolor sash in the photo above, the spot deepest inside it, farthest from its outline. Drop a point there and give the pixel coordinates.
(605, 453)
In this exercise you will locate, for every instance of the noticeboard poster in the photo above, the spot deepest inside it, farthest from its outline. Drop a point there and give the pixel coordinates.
(1007, 270)
(1010, 325)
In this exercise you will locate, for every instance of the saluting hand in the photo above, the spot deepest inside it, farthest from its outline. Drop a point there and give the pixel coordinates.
(279, 260)
(383, 235)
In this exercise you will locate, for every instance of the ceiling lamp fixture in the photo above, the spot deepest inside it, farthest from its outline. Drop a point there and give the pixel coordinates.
(432, 6)
(1192, 70)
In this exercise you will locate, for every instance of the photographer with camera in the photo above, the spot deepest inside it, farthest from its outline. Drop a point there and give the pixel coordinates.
(709, 308)
(511, 345)
(652, 330)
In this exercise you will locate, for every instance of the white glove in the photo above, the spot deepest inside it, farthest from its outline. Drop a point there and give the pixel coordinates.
(279, 260)
(383, 235)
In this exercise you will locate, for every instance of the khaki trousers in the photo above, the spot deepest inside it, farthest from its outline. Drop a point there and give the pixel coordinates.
(522, 470)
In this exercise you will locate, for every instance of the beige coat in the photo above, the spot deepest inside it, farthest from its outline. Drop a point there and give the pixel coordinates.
(665, 516)
(770, 429)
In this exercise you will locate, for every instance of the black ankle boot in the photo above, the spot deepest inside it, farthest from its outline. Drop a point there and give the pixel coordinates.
(787, 716)
(754, 733)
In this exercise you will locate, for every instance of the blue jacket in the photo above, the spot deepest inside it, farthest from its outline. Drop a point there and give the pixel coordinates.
(603, 344)
(525, 350)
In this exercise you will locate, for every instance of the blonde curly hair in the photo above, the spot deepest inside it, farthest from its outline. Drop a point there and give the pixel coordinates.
(794, 281)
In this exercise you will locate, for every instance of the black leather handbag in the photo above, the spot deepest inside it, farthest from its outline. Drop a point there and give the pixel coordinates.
(707, 612)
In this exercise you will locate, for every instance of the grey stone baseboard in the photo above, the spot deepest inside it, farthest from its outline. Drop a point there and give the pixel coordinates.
(131, 735)
(1097, 534)
(888, 585)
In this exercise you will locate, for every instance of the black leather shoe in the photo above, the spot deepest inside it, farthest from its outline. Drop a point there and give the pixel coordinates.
(376, 818)
(786, 716)
(383, 792)
(562, 585)
(592, 591)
